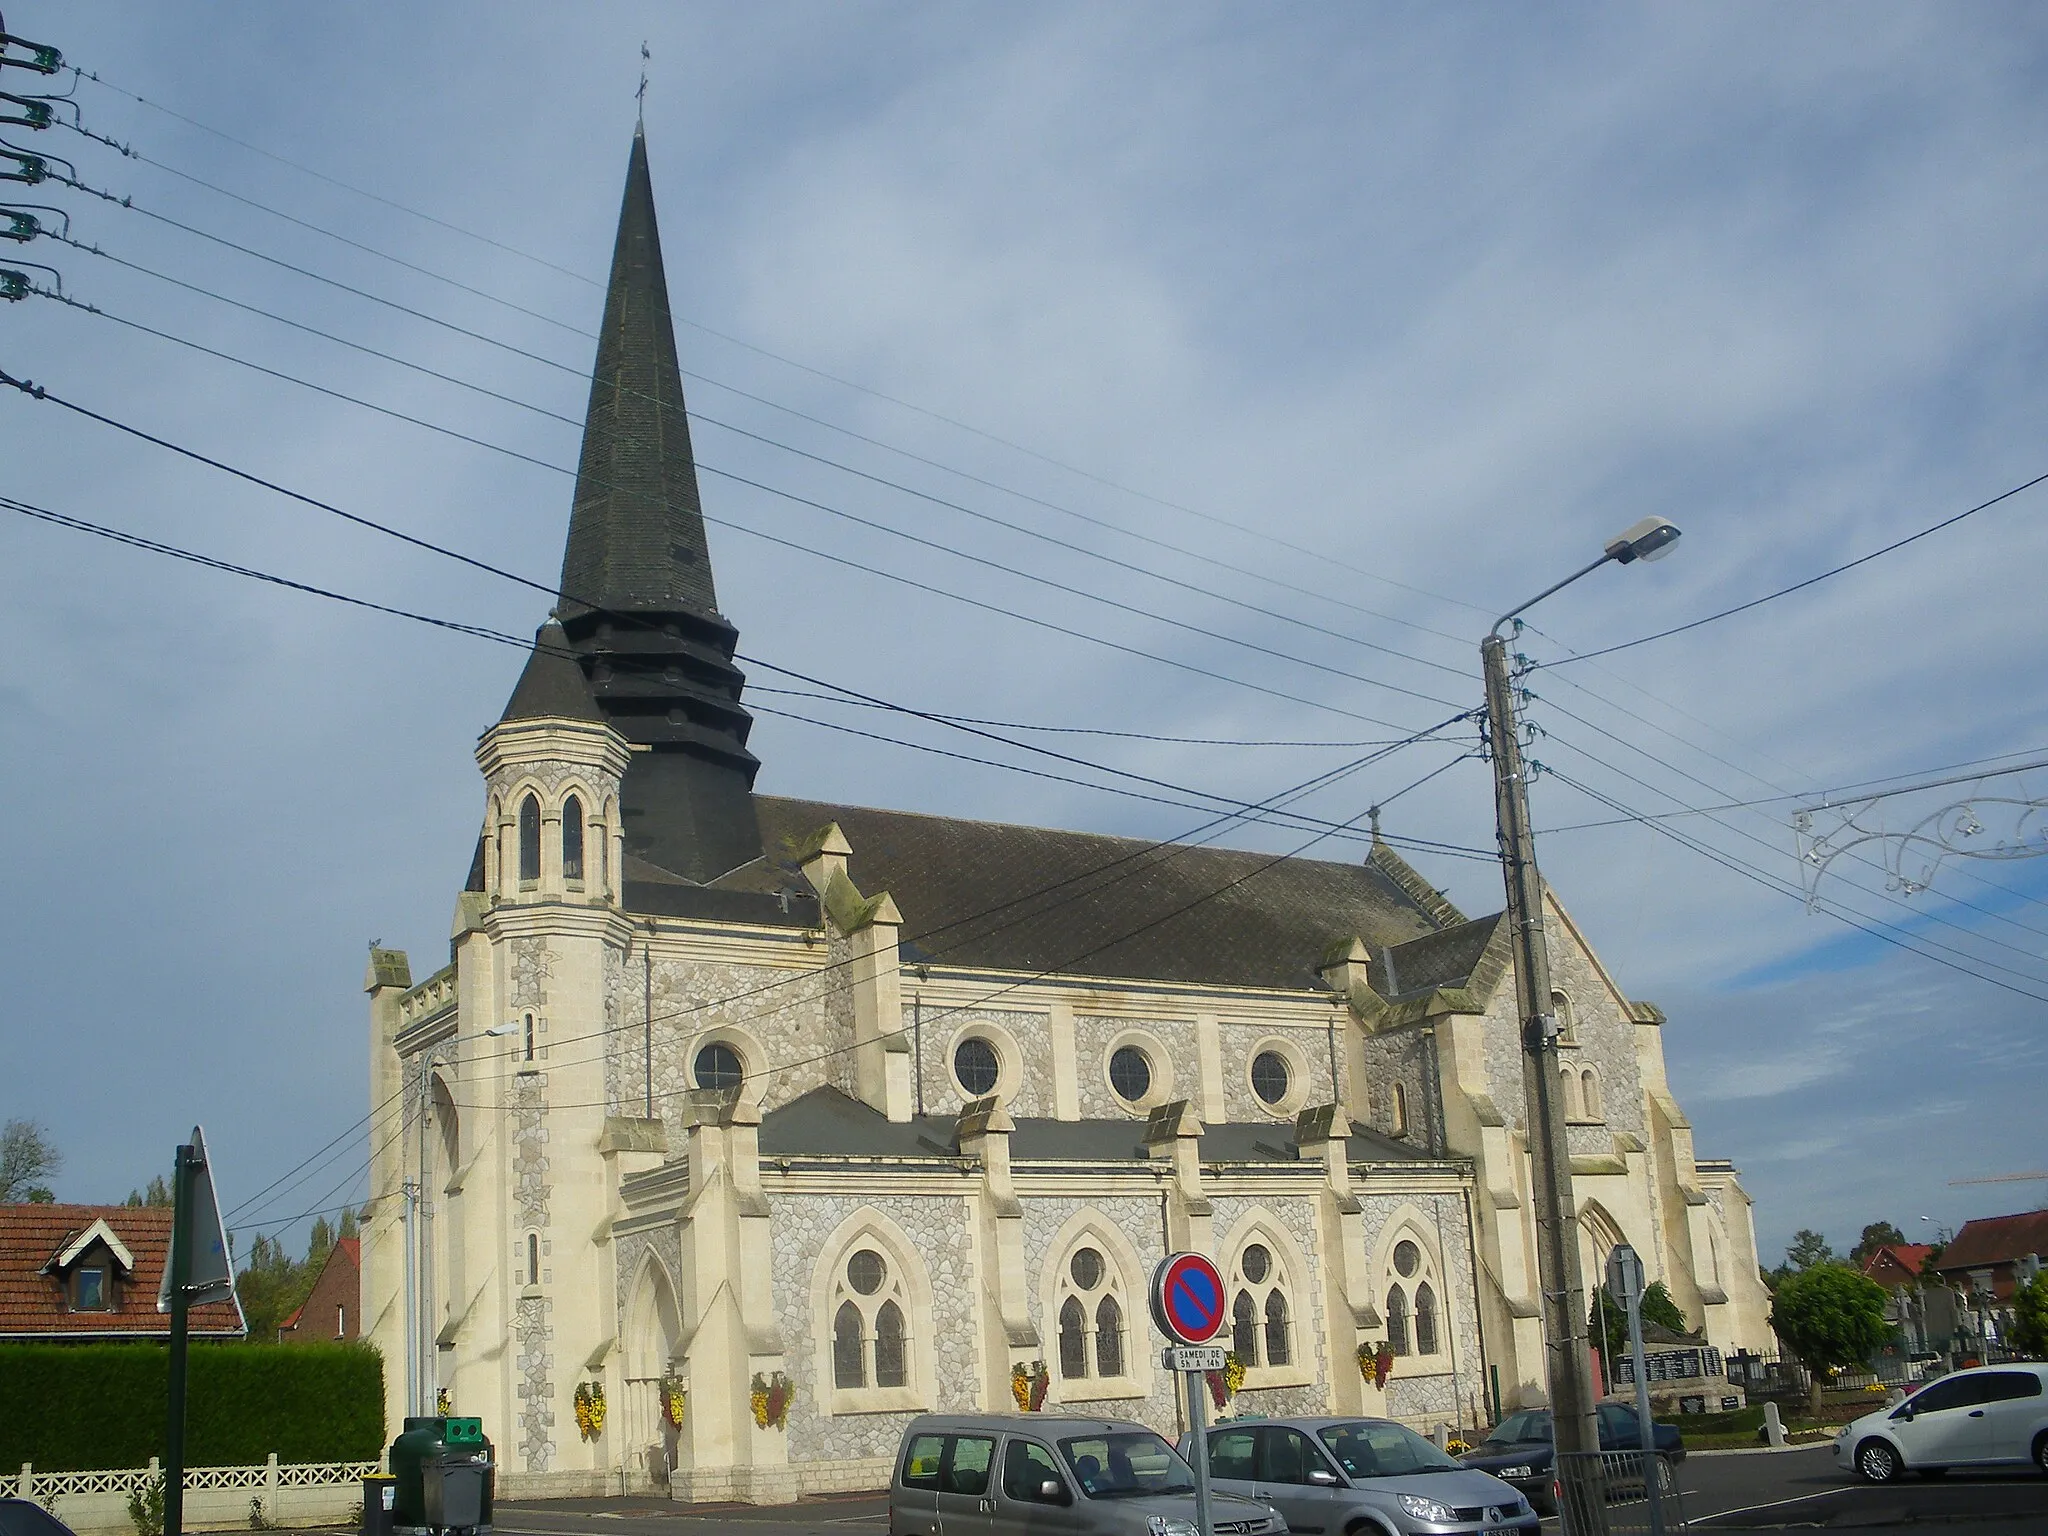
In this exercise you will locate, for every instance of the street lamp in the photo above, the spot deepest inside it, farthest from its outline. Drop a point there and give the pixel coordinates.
(418, 1214)
(1572, 1395)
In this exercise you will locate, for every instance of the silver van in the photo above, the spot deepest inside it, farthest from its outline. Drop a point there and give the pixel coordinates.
(1361, 1477)
(1006, 1474)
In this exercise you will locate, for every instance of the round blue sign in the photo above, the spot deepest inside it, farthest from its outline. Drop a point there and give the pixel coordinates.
(1187, 1298)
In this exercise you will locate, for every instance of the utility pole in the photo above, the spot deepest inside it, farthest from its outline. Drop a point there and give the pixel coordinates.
(1563, 1302)
(1557, 1249)
(180, 1282)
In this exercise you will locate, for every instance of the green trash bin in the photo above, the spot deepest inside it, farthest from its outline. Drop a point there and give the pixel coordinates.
(421, 1439)
(439, 1443)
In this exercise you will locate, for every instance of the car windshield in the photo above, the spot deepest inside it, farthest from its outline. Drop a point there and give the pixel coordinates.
(1375, 1448)
(1126, 1463)
(1520, 1427)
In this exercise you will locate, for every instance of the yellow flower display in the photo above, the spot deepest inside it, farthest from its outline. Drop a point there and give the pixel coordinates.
(675, 1400)
(590, 1408)
(770, 1398)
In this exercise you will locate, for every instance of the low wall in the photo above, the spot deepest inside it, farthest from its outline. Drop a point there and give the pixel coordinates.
(216, 1498)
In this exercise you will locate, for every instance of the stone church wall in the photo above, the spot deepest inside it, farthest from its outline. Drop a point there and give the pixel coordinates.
(1139, 1219)
(1170, 1043)
(860, 1447)
(1308, 1054)
(1297, 1218)
(1023, 1039)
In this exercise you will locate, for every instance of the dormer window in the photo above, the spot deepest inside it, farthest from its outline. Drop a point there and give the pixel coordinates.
(89, 1291)
(572, 839)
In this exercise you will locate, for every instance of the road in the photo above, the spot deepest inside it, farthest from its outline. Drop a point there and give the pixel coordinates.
(1790, 1490)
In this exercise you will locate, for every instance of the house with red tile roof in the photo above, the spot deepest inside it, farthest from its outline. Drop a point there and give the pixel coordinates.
(90, 1273)
(1922, 1306)
(333, 1308)
(1991, 1258)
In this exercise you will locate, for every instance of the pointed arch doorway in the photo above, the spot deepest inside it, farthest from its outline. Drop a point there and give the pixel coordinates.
(653, 1330)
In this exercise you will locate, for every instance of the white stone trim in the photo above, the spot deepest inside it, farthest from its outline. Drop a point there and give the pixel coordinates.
(912, 1291)
(1259, 1225)
(1156, 1055)
(1299, 1081)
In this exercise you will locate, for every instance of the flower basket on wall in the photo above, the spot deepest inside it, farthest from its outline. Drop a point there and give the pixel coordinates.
(443, 1404)
(1226, 1383)
(675, 1401)
(590, 1408)
(1376, 1362)
(770, 1398)
(1028, 1384)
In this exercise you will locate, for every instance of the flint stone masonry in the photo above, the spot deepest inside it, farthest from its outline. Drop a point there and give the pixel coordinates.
(1296, 1218)
(1176, 1050)
(1025, 1036)
(937, 1227)
(535, 1364)
(1138, 1218)
(1241, 1041)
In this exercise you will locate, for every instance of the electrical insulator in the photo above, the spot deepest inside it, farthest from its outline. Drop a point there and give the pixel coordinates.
(14, 286)
(33, 168)
(20, 226)
(34, 113)
(43, 59)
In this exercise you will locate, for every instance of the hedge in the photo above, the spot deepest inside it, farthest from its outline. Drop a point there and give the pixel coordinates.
(81, 1407)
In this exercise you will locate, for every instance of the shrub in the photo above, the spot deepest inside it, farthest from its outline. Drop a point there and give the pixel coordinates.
(103, 1405)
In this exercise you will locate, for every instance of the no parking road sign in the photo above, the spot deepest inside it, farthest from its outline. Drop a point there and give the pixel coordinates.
(1187, 1298)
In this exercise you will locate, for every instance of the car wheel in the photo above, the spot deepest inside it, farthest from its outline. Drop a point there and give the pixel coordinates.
(1931, 1473)
(1877, 1462)
(2041, 1453)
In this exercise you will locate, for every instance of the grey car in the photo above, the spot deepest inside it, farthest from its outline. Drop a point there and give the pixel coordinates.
(1050, 1475)
(1361, 1477)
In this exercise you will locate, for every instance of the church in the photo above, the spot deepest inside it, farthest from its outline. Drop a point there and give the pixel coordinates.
(738, 1129)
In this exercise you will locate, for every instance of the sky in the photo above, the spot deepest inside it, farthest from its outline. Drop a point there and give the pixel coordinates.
(1236, 366)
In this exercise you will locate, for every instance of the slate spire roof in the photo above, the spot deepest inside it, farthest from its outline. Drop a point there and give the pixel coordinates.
(649, 652)
(636, 532)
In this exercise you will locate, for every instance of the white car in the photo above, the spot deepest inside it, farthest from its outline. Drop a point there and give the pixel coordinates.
(1995, 1415)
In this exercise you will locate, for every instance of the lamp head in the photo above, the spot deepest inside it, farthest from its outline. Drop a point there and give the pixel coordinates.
(502, 1029)
(1650, 539)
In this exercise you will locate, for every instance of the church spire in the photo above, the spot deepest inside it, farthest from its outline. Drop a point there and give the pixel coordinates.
(638, 608)
(636, 531)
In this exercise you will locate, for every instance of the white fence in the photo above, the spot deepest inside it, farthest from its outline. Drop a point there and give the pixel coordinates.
(216, 1498)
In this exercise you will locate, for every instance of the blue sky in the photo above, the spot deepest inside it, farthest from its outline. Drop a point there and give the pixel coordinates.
(1376, 318)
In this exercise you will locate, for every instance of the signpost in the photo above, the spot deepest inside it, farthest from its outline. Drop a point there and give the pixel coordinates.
(198, 1270)
(1187, 1306)
(1625, 1280)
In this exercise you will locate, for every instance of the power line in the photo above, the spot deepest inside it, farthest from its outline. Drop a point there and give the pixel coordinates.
(1932, 917)
(1799, 586)
(1783, 888)
(846, 696)
(1263, 535)
(801, 547)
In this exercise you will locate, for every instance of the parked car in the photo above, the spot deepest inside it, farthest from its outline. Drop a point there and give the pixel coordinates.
(1992, 1415)
(20, 1517)
(1365, 1477)
(1522, 1448)
(1005, 1474)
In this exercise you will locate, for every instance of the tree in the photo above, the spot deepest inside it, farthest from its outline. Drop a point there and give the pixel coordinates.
(27, 1157)
(157, 1193)
(2030, 1321)
(1829, 1316)
(1807, 1249)
(1658, 1308)
(1875, 1236)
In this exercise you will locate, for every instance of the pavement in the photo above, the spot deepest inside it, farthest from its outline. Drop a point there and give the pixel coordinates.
(1793, 1490)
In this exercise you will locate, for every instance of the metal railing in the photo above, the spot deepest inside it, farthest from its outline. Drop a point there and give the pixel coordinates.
(1619, 1493)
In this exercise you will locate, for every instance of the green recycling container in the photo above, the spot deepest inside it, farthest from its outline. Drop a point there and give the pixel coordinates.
(434, 1439)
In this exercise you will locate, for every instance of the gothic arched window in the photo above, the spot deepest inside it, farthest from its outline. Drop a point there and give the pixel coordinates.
(1244, 1328)
(1568, 1092)
(1261, 1310)
(529, 838)
(533, 1258)
(849, 1349)
(891, 1347)
(1400, 1109)
(1278, 1350)
(1091, 1315)
(1109, 1337)
(1073, 1340)
(871, 1343)
(1589, 1098)
(1567, 1023)
(1415, 1300)
(572, 838)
